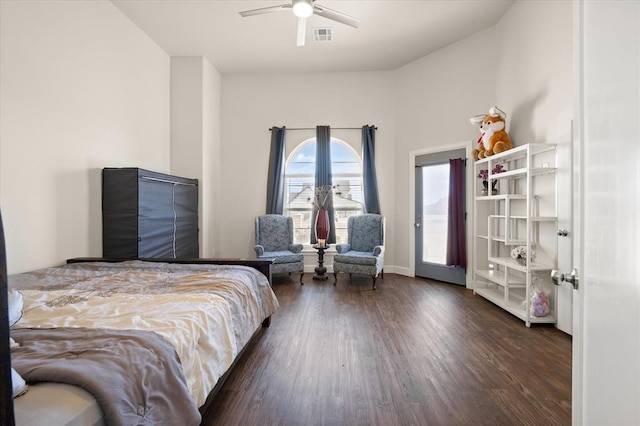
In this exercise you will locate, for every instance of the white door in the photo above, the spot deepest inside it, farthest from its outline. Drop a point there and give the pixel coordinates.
(606, 345)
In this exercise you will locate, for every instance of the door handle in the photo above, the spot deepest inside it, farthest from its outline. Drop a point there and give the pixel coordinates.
(417, 224)
(558, 277)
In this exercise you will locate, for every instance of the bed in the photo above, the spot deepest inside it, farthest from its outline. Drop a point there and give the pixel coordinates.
(132, 342)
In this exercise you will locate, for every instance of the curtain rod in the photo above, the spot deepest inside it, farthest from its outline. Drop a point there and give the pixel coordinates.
(313, 128)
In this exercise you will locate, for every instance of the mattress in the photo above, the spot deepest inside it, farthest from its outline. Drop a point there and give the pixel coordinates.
(59, 403)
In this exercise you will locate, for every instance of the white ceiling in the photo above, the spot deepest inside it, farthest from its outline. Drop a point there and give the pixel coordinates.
(392, 33)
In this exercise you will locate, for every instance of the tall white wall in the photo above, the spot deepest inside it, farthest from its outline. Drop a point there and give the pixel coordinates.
(534, 76)
(186, 115)
(211, 163)
(195, 136)
(434, 100)
(425, 105)
(535, 87)
(253, 103)
(81, 88)
(514, 65)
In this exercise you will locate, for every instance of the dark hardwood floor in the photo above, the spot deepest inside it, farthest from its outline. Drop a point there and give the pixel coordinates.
(414, 352)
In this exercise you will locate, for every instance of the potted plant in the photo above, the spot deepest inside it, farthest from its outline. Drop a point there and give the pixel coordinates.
(484, 176)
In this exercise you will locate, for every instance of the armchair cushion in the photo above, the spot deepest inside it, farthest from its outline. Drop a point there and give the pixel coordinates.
(295, 248)
(342, 248)
(274, 232)
(356, 258)
(284, 256)
(365, 232)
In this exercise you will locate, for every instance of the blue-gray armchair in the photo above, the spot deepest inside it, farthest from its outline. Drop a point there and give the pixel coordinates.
(364, 251)
(274, 239)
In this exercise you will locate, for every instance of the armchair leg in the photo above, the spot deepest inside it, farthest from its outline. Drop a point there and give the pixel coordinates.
(335, 278)
(382, 274)
(301, 275)
(374, 282)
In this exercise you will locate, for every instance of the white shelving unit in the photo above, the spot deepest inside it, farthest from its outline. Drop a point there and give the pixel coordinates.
(522, 213)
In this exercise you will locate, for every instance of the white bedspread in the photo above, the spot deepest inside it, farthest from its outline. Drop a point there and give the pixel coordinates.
(208, 312)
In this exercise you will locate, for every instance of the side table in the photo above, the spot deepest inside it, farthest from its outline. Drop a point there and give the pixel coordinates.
(320, 269)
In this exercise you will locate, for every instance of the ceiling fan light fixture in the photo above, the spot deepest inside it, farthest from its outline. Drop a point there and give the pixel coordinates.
(302, 8)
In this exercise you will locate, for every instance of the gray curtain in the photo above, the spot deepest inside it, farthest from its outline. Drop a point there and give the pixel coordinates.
(369, 179)
(324, 178)
(275, 179)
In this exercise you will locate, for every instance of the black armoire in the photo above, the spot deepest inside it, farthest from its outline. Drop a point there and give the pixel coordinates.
(148, 215)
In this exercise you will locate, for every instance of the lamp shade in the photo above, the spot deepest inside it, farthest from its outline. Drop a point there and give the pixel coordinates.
(303, 8)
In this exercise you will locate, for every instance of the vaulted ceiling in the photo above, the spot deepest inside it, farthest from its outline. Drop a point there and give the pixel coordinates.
(392, 32)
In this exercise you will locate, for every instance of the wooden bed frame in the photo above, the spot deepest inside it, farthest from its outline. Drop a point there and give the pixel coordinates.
(6, 403)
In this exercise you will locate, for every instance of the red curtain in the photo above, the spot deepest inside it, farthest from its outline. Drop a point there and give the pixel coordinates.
(456, 242)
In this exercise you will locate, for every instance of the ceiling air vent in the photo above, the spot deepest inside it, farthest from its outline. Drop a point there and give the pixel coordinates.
(322, 34)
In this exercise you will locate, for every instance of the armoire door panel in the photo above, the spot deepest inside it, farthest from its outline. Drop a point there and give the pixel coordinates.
(149, 215)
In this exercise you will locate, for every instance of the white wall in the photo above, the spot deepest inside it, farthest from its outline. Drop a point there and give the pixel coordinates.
(424, 105)
(514, 65)
(186, 115)
(434, 100)
(81, 88)
(211, 163)
(253, 103)
(535, 88)
(534, 77)
(195, 136)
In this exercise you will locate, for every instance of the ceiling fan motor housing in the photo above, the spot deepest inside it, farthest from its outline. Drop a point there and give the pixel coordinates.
(303, 8)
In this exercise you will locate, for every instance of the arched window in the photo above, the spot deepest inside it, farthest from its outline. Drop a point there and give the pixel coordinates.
(300, 169)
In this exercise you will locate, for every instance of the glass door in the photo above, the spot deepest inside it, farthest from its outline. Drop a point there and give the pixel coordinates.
(432, 201)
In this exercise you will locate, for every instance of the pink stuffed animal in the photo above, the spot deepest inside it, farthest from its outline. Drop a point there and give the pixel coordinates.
(539, 303)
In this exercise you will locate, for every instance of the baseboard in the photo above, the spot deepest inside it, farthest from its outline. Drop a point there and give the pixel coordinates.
(400, 270)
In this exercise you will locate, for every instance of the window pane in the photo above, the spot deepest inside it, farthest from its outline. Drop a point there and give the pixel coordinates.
(435, 209)
(303, 160)
(343, 159)
(299, 181)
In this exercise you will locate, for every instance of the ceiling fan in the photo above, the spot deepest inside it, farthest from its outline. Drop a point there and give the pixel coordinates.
(302, 9)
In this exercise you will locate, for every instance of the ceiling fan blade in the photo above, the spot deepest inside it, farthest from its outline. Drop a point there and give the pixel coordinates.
(302, 31)
(325, 12)
(264, 10)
